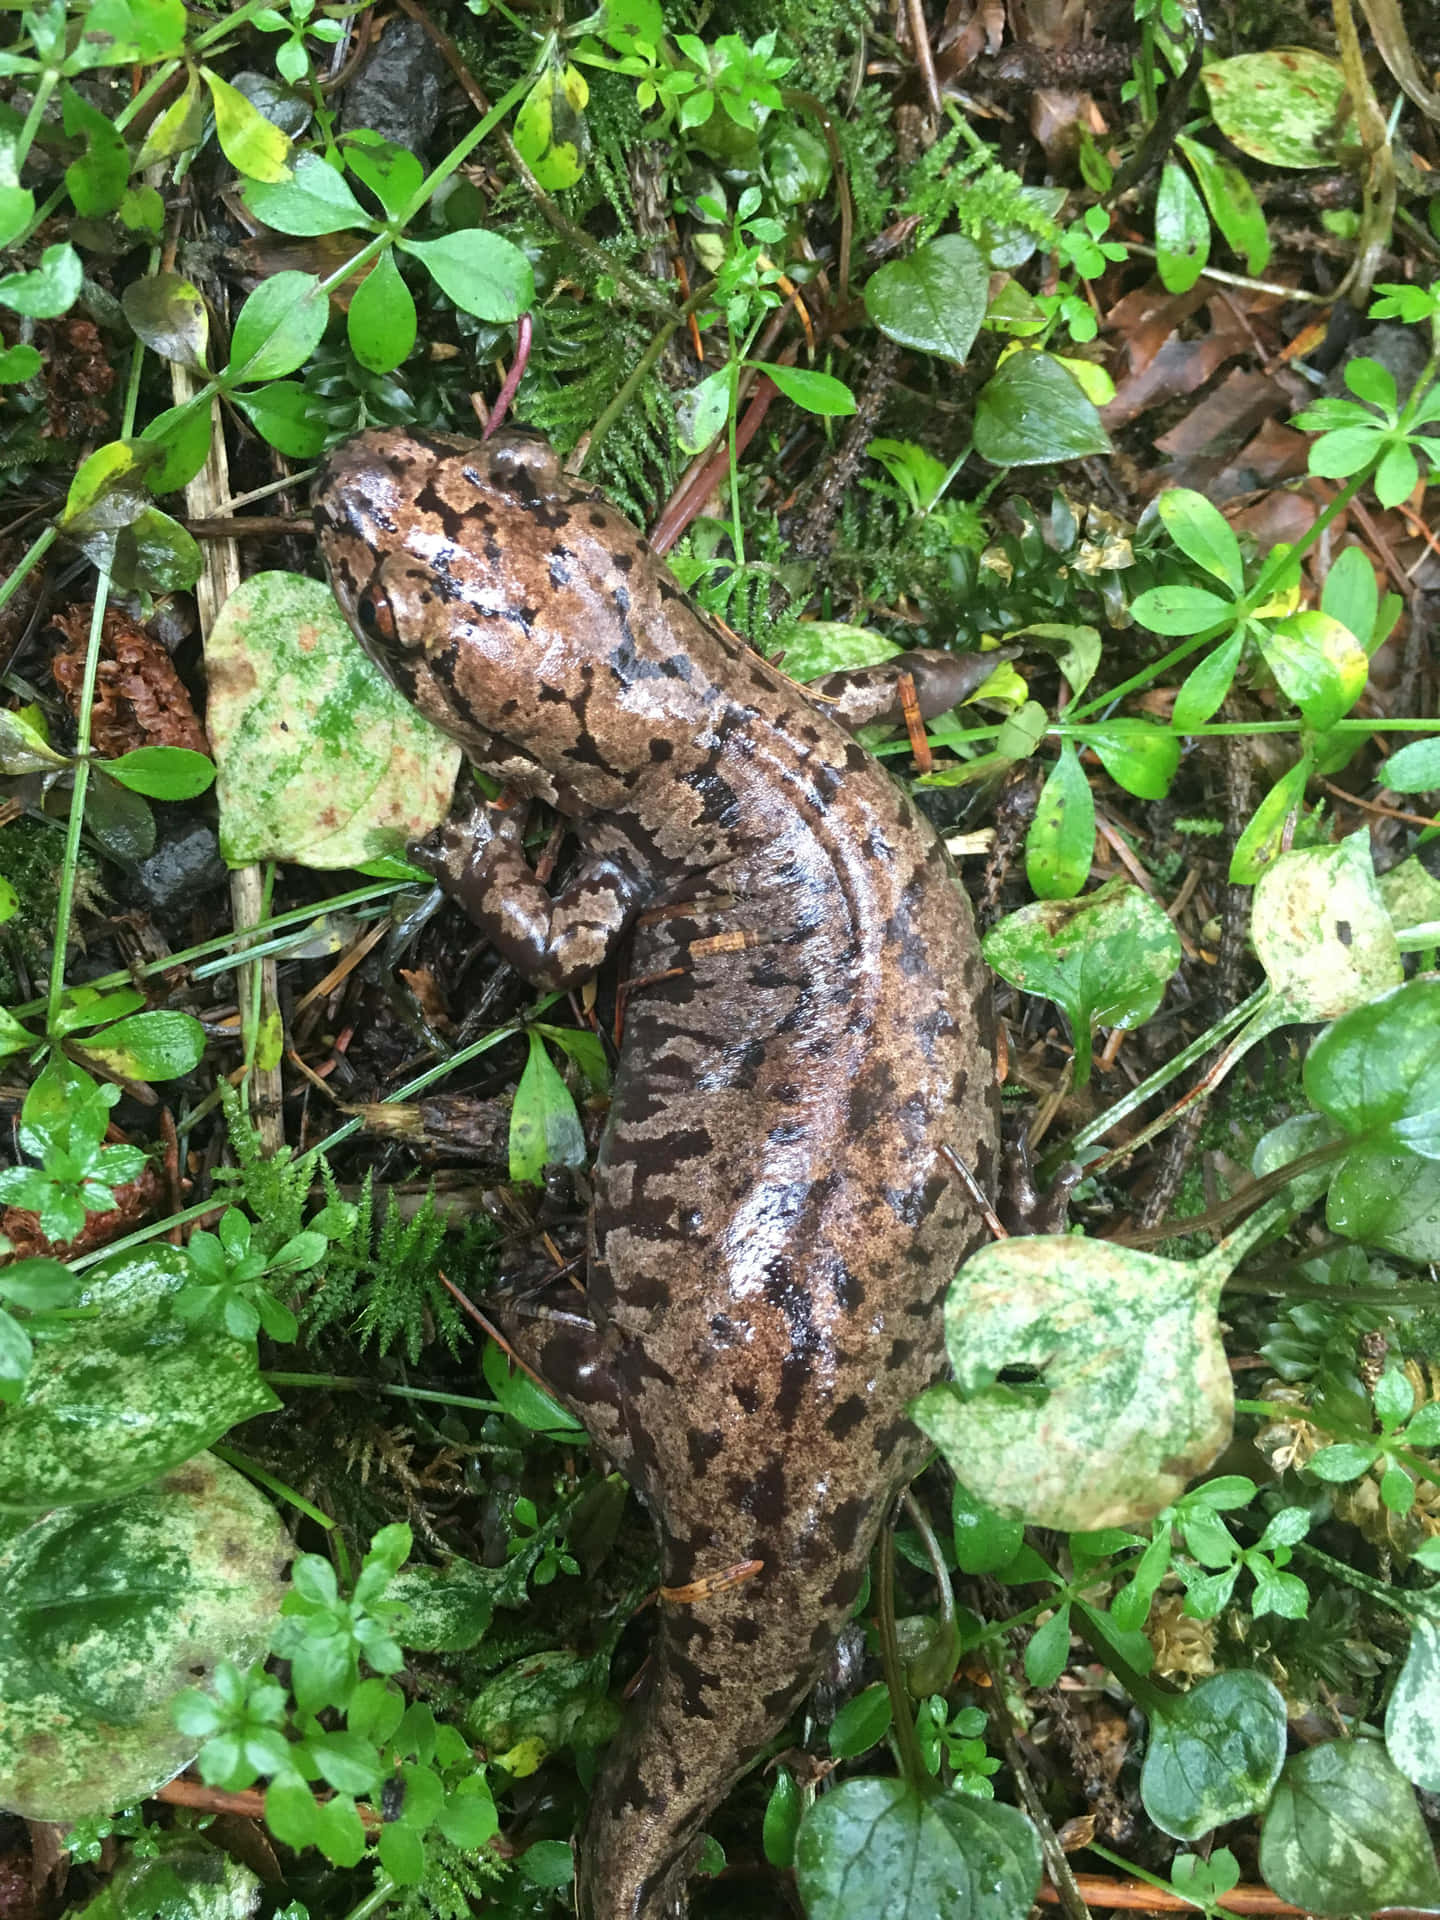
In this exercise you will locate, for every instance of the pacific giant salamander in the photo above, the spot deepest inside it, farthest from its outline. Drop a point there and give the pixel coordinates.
(774, 1223)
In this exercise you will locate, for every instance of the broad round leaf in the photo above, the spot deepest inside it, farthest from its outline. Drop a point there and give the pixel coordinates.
(1414, 769)
(183, 435)
(279, 327)
(1214, 1755)
(1283, 107)
(876, 1848)
(1132, 1397)
(1376, 1071)
(107, 1613)
(1031, 411)
(320, 760)
(1321, 930)
(934, 299)
(1104, 959)
(1137, 755)
(1344, 1835)
(1412, 1720)
(1319, 663)
(481, 272)
(168, 314)
(287, 415)
(314, 200)
(550, 132)
(50, 290)
(170, 1387)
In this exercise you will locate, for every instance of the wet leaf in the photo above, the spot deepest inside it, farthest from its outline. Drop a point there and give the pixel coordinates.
(1203, 535)
(1214, 1754)
(1105, 959)
(861, 1723)
(381, 321)
(934, 299)
(179, 128)
(1261, 841)
(877, 1847)
(1318, 662)
(313, 200)
(1414, 769)
(1412, 1720)
(1180, 610)
(1343, 1834)
(1182, 230)
(1232, 203)
(1061, 840)
(1321, 930)
(96, 181)
(1031, 411)
(1387, 1200)
(1206, 686)
(392, 173)
(168, 314)
(279, 327)
(23, 747)
(816, 392)
(288, 416)
(481, 272)
(550, 132)
(171, 1387)
(183, 435)
(1138, 756)
(1131, 1394)
(1287, 107)
(160, 1045)
(545, 1128)
(50, 290)
(320, 760)
(252, 144)
(120, 33)
(107, 1613)
(525, 1403)
(1376, 1071)
(18, 363)
(782, 1820)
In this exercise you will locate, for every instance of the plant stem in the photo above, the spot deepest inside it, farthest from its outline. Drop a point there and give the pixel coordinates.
(30, 558)
(912, 1763)
(1376, 1589)
(242, 1463)
(345, 1383)
(65, 894)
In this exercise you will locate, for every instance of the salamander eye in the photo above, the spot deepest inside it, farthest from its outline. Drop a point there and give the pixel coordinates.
(376, 615)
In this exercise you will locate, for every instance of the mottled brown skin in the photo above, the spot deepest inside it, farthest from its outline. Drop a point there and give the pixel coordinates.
(774, 1224)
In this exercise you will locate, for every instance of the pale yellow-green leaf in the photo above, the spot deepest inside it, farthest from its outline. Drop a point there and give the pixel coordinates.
(252, 144)
(1321, 930)
(320, 760)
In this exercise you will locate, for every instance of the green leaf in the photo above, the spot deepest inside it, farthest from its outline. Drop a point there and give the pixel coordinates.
(50, 290)
(1321, 930)
(1203, 535)
(1206, 686)
(1262, 839)
(38, 1284)
(183, 435)
(1105, 959)
(121, 33)
(1351, 595)
(392, 173)
(703, 411)
(161, 1045)
(545, 1128)
(1178, 611)
(1288, 107)
(1232, 203)
(96, 182)
(1412, 1720)
(381, 322)
(1335, 456)
(1182, 230)
(526, 1403)
(164, 773)
(1414, 769)
(469, 1819)
(1397, 475)
(23, 747)
(1139, 756)
(550, 133)
(16, 1355)
(985, 1541)
(179, 128)
(320, 760)
(934, 299)
(1214, 1754)
(167, 313)
(252, 144)
(782, 1820)
(1386, 1200)
(288, 416)
(1343, 1834)
(861, 1723)
(19, 363)
(816, 392)
(278, 328)
(313, 200)
(1061, 840)
(107, 1614)
(1031, 411)
(1048, 1649)
(481, 272)
(1376, 1071)
(1130, 1393)
(17, 210)
(877, 1847)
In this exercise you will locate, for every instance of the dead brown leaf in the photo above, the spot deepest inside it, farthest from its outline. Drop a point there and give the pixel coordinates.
(140, 700)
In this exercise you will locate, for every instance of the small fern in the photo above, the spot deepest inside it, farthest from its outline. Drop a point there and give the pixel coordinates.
(456, 1885)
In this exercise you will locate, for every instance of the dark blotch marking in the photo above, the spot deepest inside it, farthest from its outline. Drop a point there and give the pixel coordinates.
(703, 1448)
(745, 1633)
(849, 1415)
(842, 1589)
(844, 1524)
(747, 1397)
(661, 751)
(899, 1354)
